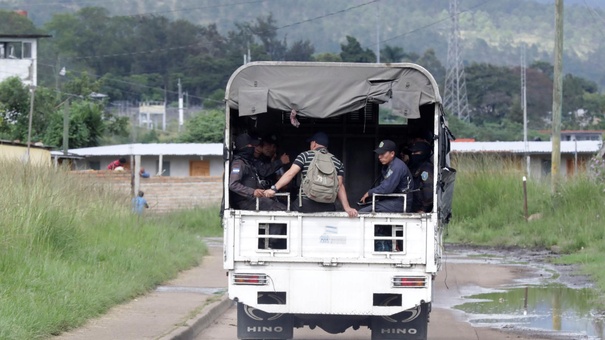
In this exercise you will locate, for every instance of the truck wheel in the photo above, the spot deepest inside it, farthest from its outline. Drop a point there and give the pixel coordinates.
(411, 324)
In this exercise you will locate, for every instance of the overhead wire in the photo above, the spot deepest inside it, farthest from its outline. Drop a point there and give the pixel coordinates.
(449, 17)
(132, 83)
(205, 43)
(327, 15)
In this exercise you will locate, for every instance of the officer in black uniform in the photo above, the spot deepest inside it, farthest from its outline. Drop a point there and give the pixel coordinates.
(421, 165)
(396, 179)
(244, 180)
(266, 162)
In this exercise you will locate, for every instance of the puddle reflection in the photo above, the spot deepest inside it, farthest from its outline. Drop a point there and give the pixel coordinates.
(552, 308)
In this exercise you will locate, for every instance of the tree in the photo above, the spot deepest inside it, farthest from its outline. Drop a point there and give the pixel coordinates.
(205, 127)
(14, 23)
(86, 125)
(14, 110)
(491, 90)
(392, 54)
(353, 52)
(265, 29)
(300, 51)
(328, 57)
(215, 100)
(14, 98)
(430, 61)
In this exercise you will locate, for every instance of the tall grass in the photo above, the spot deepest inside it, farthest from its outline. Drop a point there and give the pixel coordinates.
(69, 250)
(488, 208)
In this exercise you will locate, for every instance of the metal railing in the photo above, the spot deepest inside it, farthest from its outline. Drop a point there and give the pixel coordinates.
(404, 195)
(277, 194)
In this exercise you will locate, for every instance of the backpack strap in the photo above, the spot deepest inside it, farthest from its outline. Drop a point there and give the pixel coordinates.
(303, 179)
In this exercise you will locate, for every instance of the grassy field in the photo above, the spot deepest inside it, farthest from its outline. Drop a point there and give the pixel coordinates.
(488, 210)
(70, 250)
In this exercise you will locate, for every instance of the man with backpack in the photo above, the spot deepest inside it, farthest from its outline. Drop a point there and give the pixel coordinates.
(322, 179)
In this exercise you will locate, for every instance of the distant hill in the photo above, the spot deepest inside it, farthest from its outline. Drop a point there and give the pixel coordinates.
(492, 30)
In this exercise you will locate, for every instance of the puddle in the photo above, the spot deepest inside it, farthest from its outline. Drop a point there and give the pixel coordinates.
(550, 308)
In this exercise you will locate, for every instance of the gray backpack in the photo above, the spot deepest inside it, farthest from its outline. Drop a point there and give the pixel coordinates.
(321, 182)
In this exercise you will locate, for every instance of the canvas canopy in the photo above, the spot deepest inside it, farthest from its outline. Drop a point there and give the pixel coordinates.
(324, 90)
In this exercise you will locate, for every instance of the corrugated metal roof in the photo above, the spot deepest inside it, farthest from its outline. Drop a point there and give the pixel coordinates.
(519, 147)
(31, 145)
(154, 149)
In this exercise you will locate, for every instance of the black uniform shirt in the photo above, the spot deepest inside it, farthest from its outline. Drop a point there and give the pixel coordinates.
(423, 183)
(396, 179)
(243, 179)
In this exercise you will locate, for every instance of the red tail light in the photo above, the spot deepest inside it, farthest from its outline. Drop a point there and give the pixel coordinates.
(250, 279)
(409, 281)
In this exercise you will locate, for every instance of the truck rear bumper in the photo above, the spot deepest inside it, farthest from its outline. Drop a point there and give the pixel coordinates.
(341, 290)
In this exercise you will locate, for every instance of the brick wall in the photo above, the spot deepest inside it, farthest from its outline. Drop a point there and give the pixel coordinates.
(164, 193)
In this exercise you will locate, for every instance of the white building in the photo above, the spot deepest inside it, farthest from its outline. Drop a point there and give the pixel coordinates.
(574, 154)
(18, 57)
(165, 159)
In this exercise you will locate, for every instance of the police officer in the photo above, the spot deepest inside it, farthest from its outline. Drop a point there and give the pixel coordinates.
(396, 178)
(266, 162)
(244, 180)
(421, 165)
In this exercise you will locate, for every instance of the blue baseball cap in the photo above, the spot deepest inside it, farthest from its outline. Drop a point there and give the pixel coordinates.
(386, 146)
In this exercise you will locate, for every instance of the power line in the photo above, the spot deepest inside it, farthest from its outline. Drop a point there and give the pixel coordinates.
(328, 14)
(198, 8)
(132, 83)
(210, 45)
(435, 22)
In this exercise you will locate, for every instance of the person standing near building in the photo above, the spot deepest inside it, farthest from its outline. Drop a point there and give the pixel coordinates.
(117, 163)
(139, 204)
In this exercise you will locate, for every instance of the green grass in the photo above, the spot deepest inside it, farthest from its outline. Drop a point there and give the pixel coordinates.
(70, 250)
(488, 210)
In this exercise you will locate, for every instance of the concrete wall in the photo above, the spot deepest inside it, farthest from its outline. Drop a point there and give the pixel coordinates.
(164, 194)
(38, 156)
(540, 165)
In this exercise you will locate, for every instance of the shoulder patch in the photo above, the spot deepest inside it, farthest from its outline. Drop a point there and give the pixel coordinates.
(389, 173)
(235, 171)
(424, 175)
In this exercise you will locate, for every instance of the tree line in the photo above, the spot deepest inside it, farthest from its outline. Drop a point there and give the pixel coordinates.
(142, 58)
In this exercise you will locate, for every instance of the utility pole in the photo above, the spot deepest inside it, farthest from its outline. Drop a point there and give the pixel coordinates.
(455, 100)
(524, 106)
(378, 32)
(557, 97)
(66, 127)
(32, 90)
(181, 120)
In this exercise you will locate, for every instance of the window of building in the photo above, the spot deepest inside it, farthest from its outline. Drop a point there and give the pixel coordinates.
(94, 165)
(27, 50)
(165, 167)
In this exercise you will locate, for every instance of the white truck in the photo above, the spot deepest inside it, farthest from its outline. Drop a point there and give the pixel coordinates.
(288, 269)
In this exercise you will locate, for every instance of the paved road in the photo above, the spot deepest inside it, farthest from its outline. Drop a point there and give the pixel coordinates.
(456, 280)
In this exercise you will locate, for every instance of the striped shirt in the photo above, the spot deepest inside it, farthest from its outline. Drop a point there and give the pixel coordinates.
(303, 160)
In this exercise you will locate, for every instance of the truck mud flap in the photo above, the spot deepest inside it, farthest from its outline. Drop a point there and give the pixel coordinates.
(253, 323)
(411, 324)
